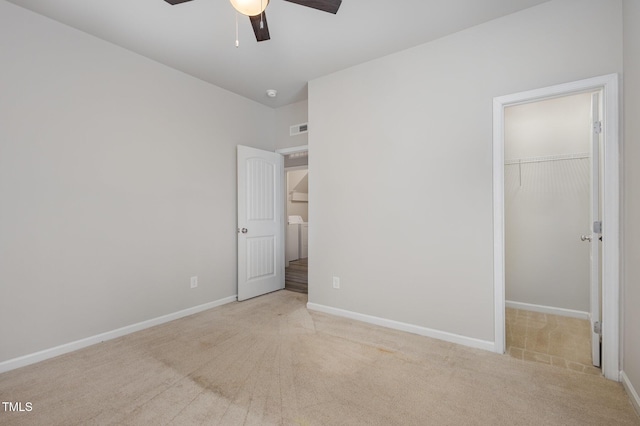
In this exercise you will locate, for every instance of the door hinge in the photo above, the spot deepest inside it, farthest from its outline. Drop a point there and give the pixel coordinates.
(597, 327)
(597, 127)
(597, 227)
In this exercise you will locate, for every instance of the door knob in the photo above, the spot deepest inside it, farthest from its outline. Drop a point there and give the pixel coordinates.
(244, 230)
(586, 238)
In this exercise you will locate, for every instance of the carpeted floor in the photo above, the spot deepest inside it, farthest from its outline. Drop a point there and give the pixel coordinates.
(269, 361)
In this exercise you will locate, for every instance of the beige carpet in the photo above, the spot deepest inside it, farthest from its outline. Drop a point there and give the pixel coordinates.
(269, 361)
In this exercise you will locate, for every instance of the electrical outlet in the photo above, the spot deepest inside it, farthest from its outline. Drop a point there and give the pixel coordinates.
(336, 282)
(194, 282)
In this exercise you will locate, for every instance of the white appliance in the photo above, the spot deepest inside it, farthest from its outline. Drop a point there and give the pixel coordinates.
(304, 240)
(297, 239)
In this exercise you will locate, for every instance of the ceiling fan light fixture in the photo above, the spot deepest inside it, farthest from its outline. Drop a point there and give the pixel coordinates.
(250, 7)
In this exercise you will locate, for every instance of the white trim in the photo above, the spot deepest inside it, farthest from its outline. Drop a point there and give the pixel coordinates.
(611, 233)
(548, 310)
(294, 168)
(498, 227)
(410, 328)
(611, 211)
(29, 359)
(293, 150)
(633, 395)
(286, 151)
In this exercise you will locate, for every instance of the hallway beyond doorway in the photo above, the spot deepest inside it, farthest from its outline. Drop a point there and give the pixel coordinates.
(295, 276)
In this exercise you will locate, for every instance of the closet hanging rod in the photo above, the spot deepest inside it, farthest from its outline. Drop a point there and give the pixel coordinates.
(563, 157)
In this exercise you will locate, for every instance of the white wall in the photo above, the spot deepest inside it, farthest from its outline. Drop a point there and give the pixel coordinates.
(287, 116)
(559, 126)
(418, 245)
(631, 232)
(117, 183)
(297, 180)
(547, 203)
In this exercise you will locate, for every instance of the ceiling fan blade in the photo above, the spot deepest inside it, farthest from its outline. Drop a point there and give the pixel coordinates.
(174, 2)
(330, 6)
(262, 34)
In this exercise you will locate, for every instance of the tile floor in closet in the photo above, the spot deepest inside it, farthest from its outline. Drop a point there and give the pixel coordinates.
(550, 339)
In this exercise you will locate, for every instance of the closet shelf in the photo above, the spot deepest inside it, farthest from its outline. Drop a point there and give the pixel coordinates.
(578, 156)
(300, 197)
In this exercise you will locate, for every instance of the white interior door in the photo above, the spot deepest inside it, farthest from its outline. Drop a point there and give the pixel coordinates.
(596, 230)
(260, 222)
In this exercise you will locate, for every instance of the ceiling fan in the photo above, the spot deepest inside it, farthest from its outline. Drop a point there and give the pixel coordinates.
(254, 9)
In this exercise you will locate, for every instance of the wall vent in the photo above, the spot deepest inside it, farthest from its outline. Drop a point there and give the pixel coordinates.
(299, 129)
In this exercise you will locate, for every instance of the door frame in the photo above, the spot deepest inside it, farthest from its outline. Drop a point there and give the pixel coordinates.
(284, 152)
(293, 150)
(610, 214)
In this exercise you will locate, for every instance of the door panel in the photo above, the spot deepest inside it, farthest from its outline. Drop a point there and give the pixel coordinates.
(260, 222)
(261, 257)
(260, 187)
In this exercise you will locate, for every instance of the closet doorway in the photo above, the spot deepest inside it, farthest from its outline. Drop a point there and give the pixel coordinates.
(544, 219)
(551, 153)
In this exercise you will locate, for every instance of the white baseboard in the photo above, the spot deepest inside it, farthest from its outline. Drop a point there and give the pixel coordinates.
(410, 328)
(633, 395)
(25, 360)
(547, 310)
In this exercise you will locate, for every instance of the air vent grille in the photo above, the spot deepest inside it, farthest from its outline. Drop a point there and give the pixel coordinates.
(299, 129)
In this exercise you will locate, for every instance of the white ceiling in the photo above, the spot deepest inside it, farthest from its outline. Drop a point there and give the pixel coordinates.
(198, 37)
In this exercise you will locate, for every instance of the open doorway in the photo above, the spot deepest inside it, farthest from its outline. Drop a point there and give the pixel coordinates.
(263, 202)
(608, 226)
(296, 170)
(548, 150)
